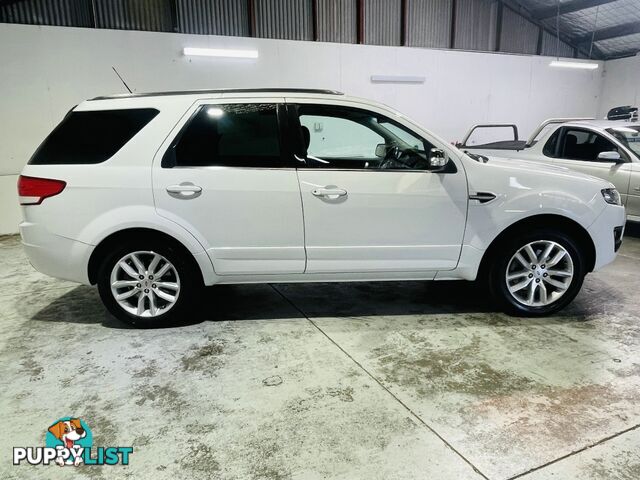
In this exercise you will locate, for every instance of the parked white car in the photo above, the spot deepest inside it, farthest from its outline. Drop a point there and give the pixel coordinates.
(609, 149)
(152, 196)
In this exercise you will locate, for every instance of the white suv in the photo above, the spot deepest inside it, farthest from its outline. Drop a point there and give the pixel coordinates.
(152, 196)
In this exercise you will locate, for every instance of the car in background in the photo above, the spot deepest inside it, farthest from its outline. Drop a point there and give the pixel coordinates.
(609, 149)
(153, 196)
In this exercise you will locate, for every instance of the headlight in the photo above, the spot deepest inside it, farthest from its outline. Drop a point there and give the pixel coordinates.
(611, 196)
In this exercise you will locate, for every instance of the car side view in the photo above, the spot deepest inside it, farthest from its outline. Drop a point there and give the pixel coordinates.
(609, 149)
(153, 196)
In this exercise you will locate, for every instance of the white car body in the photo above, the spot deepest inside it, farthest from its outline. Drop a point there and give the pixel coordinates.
(254, 225)
(625, 175)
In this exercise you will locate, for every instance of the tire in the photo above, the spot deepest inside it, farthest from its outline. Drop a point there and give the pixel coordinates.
(553, 288)
(179, 280)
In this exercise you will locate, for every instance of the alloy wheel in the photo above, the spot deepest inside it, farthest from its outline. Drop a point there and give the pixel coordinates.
(145, 284)
(539, 273)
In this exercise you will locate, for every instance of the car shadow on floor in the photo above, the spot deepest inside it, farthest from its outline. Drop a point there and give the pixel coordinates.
(82, 305)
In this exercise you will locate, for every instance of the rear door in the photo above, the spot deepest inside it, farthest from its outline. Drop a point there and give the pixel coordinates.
(366, 209)
(225, 174)
(578, 148)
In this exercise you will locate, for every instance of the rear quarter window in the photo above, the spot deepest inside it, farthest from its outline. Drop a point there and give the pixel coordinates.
(91, 137)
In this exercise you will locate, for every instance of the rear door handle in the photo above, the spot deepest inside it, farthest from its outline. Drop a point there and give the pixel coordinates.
(185, 190)
(329, 192)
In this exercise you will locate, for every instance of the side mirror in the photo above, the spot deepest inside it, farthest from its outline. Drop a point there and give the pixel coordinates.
(609, 157)
(381, 150)
(437, 160)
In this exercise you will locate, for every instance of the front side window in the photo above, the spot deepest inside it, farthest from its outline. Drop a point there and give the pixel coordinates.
(234, 135)
(578, 144)
(92, 136)
(351, 138)
(628, 136)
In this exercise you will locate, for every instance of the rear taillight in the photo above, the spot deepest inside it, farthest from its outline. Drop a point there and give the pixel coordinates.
(33, 190)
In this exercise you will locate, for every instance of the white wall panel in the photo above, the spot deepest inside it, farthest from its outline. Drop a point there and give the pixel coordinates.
(621, 84)
(48, 70)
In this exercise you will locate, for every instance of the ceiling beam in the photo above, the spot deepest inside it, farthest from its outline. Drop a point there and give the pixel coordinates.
(518, 7)
(610, 32)
(567, 7)
(624, 54)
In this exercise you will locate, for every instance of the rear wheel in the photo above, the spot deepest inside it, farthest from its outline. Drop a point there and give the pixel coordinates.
(148, 284)
(537, 273)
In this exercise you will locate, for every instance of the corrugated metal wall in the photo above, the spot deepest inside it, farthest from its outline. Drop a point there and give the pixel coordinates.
(518, 35)
(429, 23)
(476, 24)
(337, 21)
(219, 17)
(382, 22)
(550, 46)
(288, 19)
(68, 13)
(153, 15)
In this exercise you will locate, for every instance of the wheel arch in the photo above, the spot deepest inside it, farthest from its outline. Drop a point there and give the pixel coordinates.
(563, 224)
(106, 244)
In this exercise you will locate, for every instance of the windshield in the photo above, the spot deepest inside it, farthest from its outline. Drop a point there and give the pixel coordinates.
(628, 136)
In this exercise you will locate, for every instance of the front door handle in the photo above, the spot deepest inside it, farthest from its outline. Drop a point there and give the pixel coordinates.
(185, 190)
(329, 192)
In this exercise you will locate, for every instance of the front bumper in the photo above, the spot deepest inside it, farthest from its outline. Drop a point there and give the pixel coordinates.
(54, 255)
(606, 233)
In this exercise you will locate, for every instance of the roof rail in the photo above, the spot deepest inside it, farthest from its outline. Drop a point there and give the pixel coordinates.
(550, 121)
(220, 90)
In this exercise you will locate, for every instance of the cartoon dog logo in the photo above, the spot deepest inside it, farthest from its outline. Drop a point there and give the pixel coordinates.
(68, 432)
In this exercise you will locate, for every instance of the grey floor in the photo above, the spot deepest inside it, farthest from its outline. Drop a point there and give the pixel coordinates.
(353, 381)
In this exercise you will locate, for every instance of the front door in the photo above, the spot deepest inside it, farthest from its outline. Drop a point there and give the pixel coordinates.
(227, 178)
(370, 205)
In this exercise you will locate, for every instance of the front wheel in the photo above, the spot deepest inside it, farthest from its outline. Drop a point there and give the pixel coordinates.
(148, 284)
(537, 273)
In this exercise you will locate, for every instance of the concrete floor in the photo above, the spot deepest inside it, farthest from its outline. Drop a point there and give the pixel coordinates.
(373, 381)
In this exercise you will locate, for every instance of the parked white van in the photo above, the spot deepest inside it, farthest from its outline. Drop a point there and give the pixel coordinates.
(151, 196)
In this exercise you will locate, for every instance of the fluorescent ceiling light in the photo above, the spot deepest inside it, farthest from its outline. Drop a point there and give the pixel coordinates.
(396, 79)
(220, 52)
(582, 65)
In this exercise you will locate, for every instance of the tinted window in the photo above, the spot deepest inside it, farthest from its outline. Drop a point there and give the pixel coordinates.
(239, 135)
(578, 144)
(351, 138)
(91, 137)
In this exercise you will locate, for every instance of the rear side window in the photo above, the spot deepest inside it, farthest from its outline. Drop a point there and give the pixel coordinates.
(234, 135)
(91, 137)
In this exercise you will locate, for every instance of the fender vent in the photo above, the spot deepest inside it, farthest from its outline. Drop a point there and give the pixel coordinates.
(482, 197)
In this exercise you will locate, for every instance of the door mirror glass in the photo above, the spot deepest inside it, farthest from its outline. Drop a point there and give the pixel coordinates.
(437, 159)
(381, 150)
(609, 157)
